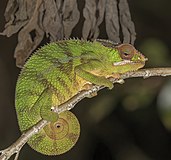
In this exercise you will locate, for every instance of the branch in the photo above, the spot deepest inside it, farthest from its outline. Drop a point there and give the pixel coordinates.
(17, 146)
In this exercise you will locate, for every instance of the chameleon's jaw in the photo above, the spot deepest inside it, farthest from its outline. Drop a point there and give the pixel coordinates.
(124, 62)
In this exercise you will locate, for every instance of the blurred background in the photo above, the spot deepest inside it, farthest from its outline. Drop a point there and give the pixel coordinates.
(131, 122)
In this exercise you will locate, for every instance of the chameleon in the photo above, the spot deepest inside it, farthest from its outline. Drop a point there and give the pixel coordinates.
(58, 71)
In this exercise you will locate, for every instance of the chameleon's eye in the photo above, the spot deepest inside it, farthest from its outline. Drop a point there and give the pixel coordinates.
(126, 55)
(126, 51)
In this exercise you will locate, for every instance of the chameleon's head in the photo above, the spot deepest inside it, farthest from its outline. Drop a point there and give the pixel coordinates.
(126, 58)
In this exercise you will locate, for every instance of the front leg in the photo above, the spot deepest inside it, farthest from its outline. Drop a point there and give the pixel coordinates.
(84, 71)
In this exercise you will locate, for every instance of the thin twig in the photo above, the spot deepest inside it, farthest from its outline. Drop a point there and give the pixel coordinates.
(17, 146)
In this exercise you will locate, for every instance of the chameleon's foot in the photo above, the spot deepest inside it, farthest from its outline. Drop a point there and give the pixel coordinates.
(114, 76)
(106, 82)
(117, 78)
(49, 116)
(87, 86)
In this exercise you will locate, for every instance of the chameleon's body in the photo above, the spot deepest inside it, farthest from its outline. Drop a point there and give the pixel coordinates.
(57, 72)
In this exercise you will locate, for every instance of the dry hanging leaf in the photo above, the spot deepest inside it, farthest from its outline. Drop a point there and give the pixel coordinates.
(33, 20)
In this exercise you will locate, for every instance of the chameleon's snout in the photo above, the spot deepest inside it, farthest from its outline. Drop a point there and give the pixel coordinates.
(141, 57)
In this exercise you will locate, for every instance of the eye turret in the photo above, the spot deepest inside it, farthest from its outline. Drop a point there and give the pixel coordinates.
(126, 51)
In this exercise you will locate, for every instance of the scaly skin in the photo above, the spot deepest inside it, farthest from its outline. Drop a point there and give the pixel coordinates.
(57, 72)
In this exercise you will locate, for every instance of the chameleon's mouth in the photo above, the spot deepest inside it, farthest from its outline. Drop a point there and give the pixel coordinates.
(129, 62)
(122, 62)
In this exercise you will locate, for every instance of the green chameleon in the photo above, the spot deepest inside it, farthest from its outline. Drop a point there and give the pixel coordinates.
(57, 72)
